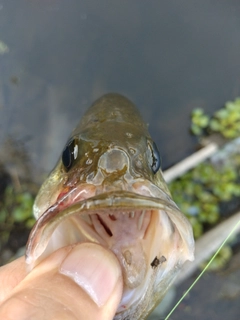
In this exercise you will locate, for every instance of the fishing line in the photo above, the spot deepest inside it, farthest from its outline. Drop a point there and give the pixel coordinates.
(200, 275)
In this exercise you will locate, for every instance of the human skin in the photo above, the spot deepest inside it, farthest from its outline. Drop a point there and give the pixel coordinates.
(75, 282)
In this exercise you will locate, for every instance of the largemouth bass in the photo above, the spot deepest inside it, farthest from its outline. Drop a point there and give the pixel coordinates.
(108, 188)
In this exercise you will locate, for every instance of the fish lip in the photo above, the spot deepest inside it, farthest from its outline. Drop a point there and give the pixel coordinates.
(118, 201)
(114, 201)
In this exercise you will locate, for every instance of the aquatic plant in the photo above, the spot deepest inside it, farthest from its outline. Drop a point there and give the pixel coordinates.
(200, 121)
(200, 192)
(204, 191)
(225, 121)
(15, 211)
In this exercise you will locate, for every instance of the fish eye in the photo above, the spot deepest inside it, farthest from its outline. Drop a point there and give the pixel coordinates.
(155, 161)
(70, 154)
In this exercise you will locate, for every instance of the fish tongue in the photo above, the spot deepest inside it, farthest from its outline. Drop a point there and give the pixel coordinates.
(133, 262)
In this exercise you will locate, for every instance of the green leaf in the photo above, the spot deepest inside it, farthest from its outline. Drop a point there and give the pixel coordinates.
(215, 125)
(196, 130)
(20, 214)
(222, 114)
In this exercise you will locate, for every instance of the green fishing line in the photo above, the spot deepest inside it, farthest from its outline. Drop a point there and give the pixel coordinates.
(193, 284)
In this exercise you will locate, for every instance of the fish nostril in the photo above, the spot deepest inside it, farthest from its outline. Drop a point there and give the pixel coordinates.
(113, 160)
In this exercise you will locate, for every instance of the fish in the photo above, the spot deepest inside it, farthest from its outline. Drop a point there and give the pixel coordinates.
(108, 188)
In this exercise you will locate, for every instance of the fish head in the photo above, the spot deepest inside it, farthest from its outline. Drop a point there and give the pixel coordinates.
(108, 188)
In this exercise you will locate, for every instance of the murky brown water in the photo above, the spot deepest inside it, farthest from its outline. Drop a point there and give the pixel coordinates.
(167, 56)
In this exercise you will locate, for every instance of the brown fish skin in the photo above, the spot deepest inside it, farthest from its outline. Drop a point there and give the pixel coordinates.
(108, 188)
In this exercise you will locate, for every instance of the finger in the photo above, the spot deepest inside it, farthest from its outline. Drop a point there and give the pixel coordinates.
(82, 282)
(10, 276)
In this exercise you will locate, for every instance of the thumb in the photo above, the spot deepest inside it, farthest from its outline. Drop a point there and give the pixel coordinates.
(79, 282)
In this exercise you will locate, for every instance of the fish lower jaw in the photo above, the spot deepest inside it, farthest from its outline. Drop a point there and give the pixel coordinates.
(149, 236)
(134, 237)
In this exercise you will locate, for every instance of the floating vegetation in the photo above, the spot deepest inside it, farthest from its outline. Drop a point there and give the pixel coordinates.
(17, 192)
(206, 192)
(200, 121)
(200, 193)
(225, 121)
(15, 213)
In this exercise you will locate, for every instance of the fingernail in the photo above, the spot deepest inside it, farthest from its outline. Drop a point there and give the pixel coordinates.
(94, 269)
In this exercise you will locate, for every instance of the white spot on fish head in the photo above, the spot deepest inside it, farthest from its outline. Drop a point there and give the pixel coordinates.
(129, 135)
(89, 161)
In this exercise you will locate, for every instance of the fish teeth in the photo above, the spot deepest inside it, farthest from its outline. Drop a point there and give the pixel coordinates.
(131, 214)
(140, 220)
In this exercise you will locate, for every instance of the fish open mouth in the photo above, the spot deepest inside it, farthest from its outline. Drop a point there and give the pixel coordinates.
(141, 231)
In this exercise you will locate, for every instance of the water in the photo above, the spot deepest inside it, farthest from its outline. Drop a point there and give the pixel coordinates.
(167, 56)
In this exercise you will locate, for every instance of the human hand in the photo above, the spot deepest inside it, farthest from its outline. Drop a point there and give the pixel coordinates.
(76, 282)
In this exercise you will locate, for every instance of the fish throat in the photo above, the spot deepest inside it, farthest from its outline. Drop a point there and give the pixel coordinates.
(124, 233)
(135, 227)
